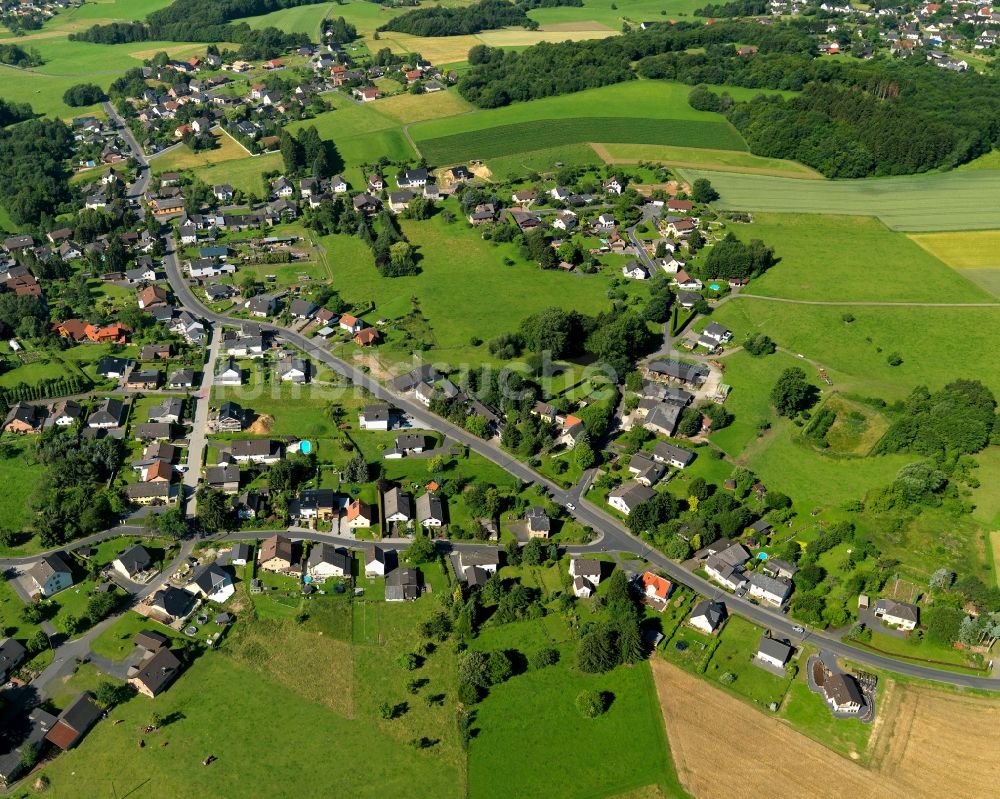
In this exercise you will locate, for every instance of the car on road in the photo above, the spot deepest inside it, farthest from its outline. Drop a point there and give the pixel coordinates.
(570, 506)
(798, 628)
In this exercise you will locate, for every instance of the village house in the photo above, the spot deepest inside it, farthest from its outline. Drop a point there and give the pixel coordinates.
(537, 522)
(359, 514)
(707, 616)
(842, 693)
(430, 510)
(627, 496)
(403, 585)
(772, 652)
(156, 672)
(586, 576)
(897, 614)
(51, 574)
(256, 450)
(133, 563)
(375, 561)
(225, 478)
(326, 560)
(210, 581)
(24, 418)
(374, 416)
(316, 503)
(75, 722)
(398, 505)
(655, 589)
(276, 554)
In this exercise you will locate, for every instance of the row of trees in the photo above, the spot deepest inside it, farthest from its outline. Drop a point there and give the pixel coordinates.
(196, 21)
(305, 152)
(460, 21)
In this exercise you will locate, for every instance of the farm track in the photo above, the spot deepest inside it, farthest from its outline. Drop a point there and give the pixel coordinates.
(868, 303)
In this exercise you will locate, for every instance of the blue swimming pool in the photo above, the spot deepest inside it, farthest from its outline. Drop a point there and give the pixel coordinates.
(306, 447)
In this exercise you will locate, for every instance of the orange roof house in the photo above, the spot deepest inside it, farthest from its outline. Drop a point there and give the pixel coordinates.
(656, 588)
(366, 337)
(159, 471)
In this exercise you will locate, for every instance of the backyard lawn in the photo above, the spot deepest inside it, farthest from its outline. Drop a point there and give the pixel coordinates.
(737, 646)
(531, 720)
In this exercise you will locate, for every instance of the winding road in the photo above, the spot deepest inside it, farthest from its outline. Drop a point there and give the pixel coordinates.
(614, 536)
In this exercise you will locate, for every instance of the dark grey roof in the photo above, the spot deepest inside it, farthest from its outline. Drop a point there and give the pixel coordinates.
(211, 578)
(135, 559)
(157, 672)
(327, 553)
(82, 713)
(775, 649)
(48, 565)
(173, 601)
(402, 584)
(715, 612)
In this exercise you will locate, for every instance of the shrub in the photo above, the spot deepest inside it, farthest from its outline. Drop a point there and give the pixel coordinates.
(591, 704)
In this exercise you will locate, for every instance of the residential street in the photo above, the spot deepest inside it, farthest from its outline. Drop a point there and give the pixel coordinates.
(196, 441)
(615, 536)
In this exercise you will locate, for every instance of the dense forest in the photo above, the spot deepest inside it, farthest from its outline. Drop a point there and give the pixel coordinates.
(850, 119)
(460, 21)
(463, 21)
(34, 180)
(196, 21)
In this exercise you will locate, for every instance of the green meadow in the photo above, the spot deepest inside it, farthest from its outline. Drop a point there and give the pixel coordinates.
(939, 201)
(936, 344)
(851, 258)
(654, 112)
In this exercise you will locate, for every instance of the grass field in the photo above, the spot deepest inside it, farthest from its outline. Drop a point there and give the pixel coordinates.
(605, 114)
(990, 160)
(857, 351)
(738, 642)
(245, 706)
(914, 202)
(303, 19)
(20, 476)
(987, 496)
(994, 539)
(701, 158)
(856, 429)
(184, 158)
(116, 641)
(407, 108)
(809, 714)
(869, 262)
(461, 278)
(543, 160)
(531, 720)
(243, 174)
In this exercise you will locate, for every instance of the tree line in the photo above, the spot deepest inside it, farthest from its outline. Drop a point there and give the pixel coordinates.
(460, 21)
(16, 56)
(850, 119)
(11, 113)
(196, 21)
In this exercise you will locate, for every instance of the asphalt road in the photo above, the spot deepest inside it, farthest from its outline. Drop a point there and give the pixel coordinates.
(614, 535)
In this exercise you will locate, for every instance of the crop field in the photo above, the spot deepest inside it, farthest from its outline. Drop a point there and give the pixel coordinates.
(700, 718)
(527, 136)
(943, 201)
(868, 262)
(926, 732)
(703, 158)
(544, 160)
(614, 14)
(604, 114)
(973, 254)
(858, 350)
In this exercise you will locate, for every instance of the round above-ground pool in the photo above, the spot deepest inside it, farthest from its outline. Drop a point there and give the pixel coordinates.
(190, 630)
(307, 579)
(714, 286)
(305, 447)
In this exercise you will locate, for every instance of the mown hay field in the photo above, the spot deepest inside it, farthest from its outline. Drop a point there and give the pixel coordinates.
(919, 740)
(941, 201)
